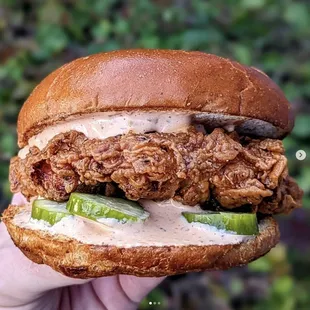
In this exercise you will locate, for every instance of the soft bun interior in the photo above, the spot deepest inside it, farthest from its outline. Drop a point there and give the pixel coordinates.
(242, 125)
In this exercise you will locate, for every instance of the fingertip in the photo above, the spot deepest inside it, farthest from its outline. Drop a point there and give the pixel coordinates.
(18, 199)
(138, 287)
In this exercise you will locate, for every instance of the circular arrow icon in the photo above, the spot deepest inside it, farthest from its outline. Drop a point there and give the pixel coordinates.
(301, 155)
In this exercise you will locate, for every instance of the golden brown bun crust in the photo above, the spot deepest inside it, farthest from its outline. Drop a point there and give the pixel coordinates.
(153, 80)
(78, 260)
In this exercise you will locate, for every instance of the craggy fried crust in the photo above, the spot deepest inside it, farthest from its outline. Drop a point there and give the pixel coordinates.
(75, 259)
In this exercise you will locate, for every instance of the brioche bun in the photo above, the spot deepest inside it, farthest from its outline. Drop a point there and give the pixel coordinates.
(155, 80)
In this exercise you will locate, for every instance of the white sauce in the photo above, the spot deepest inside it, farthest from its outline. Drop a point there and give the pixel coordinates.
(164, 227)
(104, 125)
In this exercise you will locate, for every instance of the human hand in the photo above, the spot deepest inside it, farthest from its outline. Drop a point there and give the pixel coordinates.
(25, 285)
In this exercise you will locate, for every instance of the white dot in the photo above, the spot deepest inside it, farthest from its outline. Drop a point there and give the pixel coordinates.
(301, 155)
(150, 302)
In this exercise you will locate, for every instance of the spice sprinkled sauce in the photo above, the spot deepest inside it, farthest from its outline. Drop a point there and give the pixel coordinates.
(104, 125)
(164, 227)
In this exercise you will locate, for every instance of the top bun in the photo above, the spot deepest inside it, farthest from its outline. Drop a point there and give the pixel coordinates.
(154, 80)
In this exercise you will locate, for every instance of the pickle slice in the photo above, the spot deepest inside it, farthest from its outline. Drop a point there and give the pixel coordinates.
(48, 211)
(95, 207)
(240, 223)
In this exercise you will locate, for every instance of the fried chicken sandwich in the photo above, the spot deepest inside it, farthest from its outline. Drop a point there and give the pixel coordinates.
(151, 163)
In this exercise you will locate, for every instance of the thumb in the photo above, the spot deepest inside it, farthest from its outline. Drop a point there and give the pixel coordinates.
(19, 274)
(137, 288)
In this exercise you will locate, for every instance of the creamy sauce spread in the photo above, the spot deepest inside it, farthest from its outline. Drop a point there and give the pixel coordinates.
(165, 227)
(109, 124)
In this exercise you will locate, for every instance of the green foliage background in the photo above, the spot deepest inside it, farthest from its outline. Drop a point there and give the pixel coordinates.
(39, 36)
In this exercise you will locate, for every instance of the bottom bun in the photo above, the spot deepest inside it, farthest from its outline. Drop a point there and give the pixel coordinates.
(78, 260)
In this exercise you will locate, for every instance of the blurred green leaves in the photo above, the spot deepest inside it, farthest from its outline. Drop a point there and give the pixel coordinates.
(302, 127)
(275, 261)
(282, 286)
(7, 144)
(253, 4)
(242, 53)
(282, 293)
(102, 30)
(13, 68)
(300, 10)
(261, 265)
(51, 39)
(51, 12)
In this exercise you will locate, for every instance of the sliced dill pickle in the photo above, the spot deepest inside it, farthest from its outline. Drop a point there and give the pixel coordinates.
(240, 223)
(95, 207)
(48, 210)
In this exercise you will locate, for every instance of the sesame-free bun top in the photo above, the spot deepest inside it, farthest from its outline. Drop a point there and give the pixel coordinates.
(155, 80)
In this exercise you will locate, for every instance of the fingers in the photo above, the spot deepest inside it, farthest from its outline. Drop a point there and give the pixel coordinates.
(123, 292)
(18, 199)
(137, 288)
(21, 280)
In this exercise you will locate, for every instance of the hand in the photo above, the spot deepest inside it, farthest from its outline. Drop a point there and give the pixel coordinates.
(25, 285)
